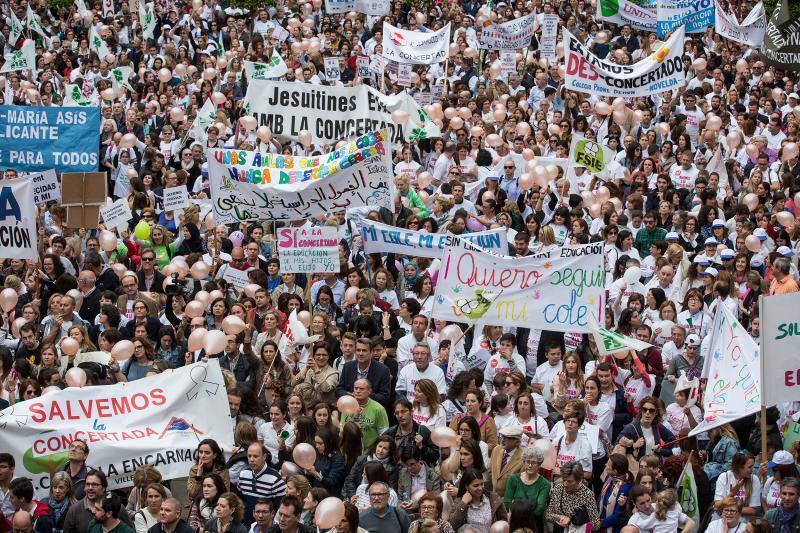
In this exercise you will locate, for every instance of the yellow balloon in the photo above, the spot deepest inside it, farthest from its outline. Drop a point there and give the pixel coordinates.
(142, 230)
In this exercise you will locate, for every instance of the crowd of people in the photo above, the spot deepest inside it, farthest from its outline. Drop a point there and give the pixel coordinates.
(545, 434)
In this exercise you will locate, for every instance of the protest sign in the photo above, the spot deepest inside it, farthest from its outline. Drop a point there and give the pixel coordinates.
(362, 66)
(45, 186)
(382, 238)
(17, 221)
(368, 7)
(309, 250)
(751, 30)
(117, 214)
(264, 71)
(687, 493)
(260, 186)
(781, 48)
(560, 291)
(22, 59)
(176, 198)
(237, 278)
(332, 71)
(626, 12)
(333, 113)
(508, 62)
(661, 71)
(404, 74)
(547, 41)
(733, 373)
(511, 35)
(694, 15)
(33, 139)
(415, 47)
(593, 156)
(780, 338)
(157, 420)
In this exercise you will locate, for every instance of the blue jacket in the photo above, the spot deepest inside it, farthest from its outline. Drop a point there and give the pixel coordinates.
(617, 517)
(633, 431)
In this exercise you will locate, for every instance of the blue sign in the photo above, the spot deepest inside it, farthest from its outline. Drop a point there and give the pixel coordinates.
(33, 139)
(696, 15)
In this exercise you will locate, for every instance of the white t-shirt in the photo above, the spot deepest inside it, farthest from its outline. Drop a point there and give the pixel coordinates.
(410, 374)
(580, 450)
(649, 523)
(677, 420)
(498, 364)
(422, 416)
(716, 526)
(600, 415)
(637, 389)
(408, 170)
(545, 375)
(683, 178)
(727, 480)
(535, 425)
(670, 352)
(771, 493)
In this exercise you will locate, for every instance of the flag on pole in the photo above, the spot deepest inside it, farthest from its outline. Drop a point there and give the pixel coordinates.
(147, 19)
(33, 23)
(611, 342)
(74, 96)
(22, 59)
(265, 71)
(687, 493)
(205, 117)
(97, 44)
(16, 30)
(120, 76)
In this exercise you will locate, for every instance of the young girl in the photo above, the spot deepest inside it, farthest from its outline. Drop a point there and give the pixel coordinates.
(569, 382)
(427, 408)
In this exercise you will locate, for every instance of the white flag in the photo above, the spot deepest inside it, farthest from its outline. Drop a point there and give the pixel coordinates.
(120, 76)
(205, 117)
(610, 342)
(717, 164)
(74, 96)
(687, 493)
(296, 334)
(733, 370)
(16, 31)
(97, 44)
(33, 23)
(264, 71)
(82, 10)
(148, 21)
(22, 59)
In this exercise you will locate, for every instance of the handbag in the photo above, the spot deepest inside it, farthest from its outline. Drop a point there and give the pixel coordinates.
(633, 462)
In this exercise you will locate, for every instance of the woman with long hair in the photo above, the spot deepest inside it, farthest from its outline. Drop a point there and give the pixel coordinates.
(141, 361)
(473, 403)
(741, 484)
(328, 470)
(350, 446)
(384, 452)
(427, 408)
(475, 505)
(275, 375)
(616, 486)
(210, 460)
(229, 514)
(569, 382)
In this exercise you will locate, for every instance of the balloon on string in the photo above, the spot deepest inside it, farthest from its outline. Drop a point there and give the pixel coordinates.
(347, 405)
(164, 75)
(618, 104)
(501, 526)
(8, 299)
(476, 131)
(75, 377)
(540, 176)
(305, 318)
(122, 350)
(632, 275)
(619, 117)
(196, 339)
(456, 123)
(713, 123)
(494, 140)
(444, 437)
(128, 140)
(450, 112)
(450, 332)
(304, 137)
(602, 108)
(203, 297)
(194, 309)
(215, 294)
(528, 154)
(330, 511)
(785, 219)
(751, 201)
(77, 297)
(594, 210)
(107, 94)
(554, 129)
(289, 469)
(108, 241)
(233, 325)
(751, 150)
(526, 181)
(523, 129)
(464, 113)
(119, 269)
(752, 243)
(250, 289)
(734, 140)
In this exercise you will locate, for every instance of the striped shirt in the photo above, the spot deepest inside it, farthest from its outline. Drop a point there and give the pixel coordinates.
(267, 484)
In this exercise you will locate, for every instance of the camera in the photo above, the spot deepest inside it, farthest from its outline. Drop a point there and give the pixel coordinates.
(177, 287)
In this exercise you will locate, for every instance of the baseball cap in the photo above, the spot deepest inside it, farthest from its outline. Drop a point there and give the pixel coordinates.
(701, 259)
(756, 261)
(693, 340)
(711, 241)
(727, 253)
(511, 432)
(785, 251)
(671, 236)
(710, 271)
(718, 223)
(761, 233)
(781, 457)
(794, 95)
(493, 178)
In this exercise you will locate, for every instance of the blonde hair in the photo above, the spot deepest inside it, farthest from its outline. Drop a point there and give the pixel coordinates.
(547, 236)
(428, 388)
(665, 500)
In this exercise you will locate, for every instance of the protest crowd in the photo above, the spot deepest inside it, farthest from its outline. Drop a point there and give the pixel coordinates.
(361, 266)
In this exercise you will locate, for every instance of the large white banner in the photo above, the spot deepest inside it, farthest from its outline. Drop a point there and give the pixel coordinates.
(780, 338)
(156, 420)
(626, 12)
(368, 7)
(733, 373)
(661, 71)
(415, 47)
(17, 221)
(694, 15)
(510, 35)
(333, 113)
(751, 31)
(249, 186)
(381, 238)
(561, 291)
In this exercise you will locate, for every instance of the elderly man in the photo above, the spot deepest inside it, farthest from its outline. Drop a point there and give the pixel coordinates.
(90, 308)
(420, 369)
(382, 517)
(371, 416)
(56, 326)
(506, 459)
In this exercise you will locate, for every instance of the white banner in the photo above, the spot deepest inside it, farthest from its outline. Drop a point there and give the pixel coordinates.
(368, 7)
(694, 15)
(511, 35)
(264, 71)
(46, 187)
(733, 373)
(549, 36)
(750, 32)
(626, 12)
(415, 47)
(259, 186)
(508, 62)
(156, 420)
(309, 250)
(381, 238)
(780, 338)
(17, 221)
(333, 113)
(662, 71)
(562, 291)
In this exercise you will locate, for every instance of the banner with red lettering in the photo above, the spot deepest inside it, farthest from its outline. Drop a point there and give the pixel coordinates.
(157, 420)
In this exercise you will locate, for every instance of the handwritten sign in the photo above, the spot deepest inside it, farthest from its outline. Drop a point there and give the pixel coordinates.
(117, 214)
(237, 278)
(258, 186)
(309, 250)
(508, 62)
(176, 198)
(45, 186)
(380, 238)
(560, 291)
(511, 35)
(368, 7)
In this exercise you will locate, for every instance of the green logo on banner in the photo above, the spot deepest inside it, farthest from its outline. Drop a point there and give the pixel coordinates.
(590, 155)
(609, 8)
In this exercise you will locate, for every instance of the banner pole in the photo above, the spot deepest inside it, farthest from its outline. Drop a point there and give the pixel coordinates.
(763, 418)
(444, 85)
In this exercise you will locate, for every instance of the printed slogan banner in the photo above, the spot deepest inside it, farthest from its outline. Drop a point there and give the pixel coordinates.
(309, 250)
(663, 70)
(415, 47)
(368, 7)
(750, 32)
(33, 139)
(509, 35)
(694, 15)
(625, 12)
(333, 113)
(17, 220)
(156, 420)
(733, 389)
(562, 291)
(780, 338)
(781, 48)
(249, 186)
(381, 238)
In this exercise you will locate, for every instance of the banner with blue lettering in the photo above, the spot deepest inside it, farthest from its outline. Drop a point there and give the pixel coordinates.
(695, 15)
(33, 139)
(563, 290)
(17, 220)
(380, 238)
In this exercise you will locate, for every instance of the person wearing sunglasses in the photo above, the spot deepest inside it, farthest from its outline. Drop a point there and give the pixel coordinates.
(646, 435)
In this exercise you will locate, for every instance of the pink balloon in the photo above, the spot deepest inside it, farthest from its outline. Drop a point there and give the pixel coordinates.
(203, 297)
(216, 293)
(305, 318)
(424, 179)
(233, 325)
(476, 131)
(164, 75)
(196, 339)
(450, 333)
(785, 219)
(752, 243)
(214, 342)
(526, 181)
(304, 137)
(200, 270)
(329, 512)
(122, 350)
(347, 405)
(456, 123)
(602, 108)
(69, 346)
(444, 437)
(789, 151)
(108, 241)
(464, 113)
(750, 200)
(194, 309)
(18, 323)
(304, 455)
(75, 376)
(400, 116)
(8, 299)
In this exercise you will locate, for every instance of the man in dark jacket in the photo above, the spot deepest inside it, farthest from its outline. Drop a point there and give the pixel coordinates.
(169, 518)
(615, 396)
(81, 513)
(787, 516)
(410, 436)
(365, 367)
